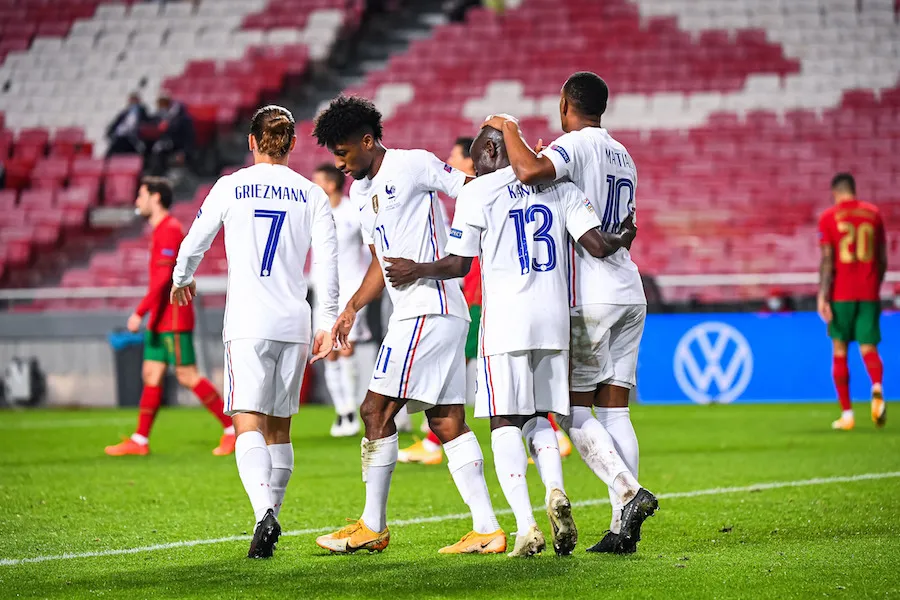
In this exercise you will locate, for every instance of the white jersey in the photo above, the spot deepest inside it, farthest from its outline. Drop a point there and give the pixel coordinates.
(519, 232)
(601, 168)
(399, 213)
(353, 255)
(272, 216)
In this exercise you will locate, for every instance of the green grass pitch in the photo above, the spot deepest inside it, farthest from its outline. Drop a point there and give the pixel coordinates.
(812, 535)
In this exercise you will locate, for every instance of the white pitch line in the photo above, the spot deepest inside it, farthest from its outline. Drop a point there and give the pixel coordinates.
(756, 487)
(64, 424)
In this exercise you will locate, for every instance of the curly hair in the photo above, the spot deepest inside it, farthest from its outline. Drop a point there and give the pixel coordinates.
(345, 118)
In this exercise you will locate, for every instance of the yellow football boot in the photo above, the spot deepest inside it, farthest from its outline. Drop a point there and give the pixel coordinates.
(478, 543)
(844, 423)
(353, 537)
(879, 408)
(417, 453)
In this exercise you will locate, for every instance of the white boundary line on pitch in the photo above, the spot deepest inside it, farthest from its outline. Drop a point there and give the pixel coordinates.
(756, 487)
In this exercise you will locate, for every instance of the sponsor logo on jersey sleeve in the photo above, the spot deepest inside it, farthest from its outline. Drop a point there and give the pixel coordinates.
(448, 168)
(588, 205)
(167, 252)
(562, 152)
(456, 233)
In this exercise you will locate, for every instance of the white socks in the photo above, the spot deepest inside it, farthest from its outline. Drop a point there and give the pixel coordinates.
(617, 422)
(511, 462)
(379, 457)
(599, 452)
(543, 444)
(254, 465)
(282, 467)
(466, 464)
(342, 394)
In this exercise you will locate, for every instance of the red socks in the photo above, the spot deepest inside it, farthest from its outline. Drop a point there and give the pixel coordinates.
(151, 398)
(211, 399)
(874, 366)
(841, 374)
(552, 420)
(433, 438)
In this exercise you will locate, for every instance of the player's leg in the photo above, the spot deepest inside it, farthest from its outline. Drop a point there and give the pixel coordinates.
(185, 361)
(344, 405)
(290, 367)
(611, 408)
(868, 335)
(379, 457)
(153, 371)
(841, 330)
(250, 366)
(547, 378)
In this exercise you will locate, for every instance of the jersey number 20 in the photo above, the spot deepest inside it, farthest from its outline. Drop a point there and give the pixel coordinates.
(277, 218)
(864, 236)
(520, 217)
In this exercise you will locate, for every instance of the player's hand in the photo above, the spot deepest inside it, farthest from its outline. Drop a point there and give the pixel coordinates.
(628, 231)
(182, 296)
(341, 330)
(323, 344)
(134, 323)
(824, 307)
(539, 147)
(401, 271)
(497, 121)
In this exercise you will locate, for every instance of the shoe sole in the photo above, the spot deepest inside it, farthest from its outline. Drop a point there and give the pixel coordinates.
(477, 549)
(266, 547)
(565, 534)
(371, 547)
(631, 530)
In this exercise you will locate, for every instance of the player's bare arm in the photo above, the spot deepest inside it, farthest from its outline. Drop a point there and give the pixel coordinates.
(402, 271)
(600, 244)
(529, 168)
(371, 287)
(826, 279)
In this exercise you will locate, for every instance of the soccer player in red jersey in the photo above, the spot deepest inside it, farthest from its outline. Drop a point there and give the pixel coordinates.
(854, 261)
(169, 336)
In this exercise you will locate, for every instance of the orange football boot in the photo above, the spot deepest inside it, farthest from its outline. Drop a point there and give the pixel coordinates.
(353, 537)
(128, 447)
(226, 445)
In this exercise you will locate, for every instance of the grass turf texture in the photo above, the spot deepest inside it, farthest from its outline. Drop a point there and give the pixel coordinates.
(60, 494)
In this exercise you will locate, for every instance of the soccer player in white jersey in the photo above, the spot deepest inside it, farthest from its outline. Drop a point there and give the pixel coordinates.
(272, 217)
(421, 362)
(519, 234)
(607, 301)
(353, 260)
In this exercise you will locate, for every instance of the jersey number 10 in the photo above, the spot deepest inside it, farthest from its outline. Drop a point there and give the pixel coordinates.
(864, 236)
(520, 217)
(277, 218)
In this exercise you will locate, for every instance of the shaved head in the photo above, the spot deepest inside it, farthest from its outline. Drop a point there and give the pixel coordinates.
(489, 151)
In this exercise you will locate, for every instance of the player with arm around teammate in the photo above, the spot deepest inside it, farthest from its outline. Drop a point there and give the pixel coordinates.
(518, 232)
(421, 361)
(607, 302)
(272, 216)
(854, 261)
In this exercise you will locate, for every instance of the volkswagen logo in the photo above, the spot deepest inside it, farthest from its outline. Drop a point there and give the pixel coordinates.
(713, 363)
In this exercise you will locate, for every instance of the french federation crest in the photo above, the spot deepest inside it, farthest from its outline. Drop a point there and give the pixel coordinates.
(375, 203)
(391, 190)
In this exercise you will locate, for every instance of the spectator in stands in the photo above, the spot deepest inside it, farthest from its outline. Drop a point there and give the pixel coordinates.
(124, 132)
(176, 135)
(456, 9)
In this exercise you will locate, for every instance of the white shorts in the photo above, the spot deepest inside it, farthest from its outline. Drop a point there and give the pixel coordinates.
(264, 376)
(522, 383)
(604, 345)
(423, 361)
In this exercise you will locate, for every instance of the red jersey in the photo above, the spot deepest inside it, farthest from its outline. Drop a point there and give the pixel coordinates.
(472, 284)
(855, 232)
(166, 239)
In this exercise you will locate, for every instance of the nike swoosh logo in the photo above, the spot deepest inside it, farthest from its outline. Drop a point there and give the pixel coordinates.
(378, 378)
(361, 208)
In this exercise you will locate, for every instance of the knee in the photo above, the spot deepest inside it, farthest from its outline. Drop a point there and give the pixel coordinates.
(152, 376)
(189, 378)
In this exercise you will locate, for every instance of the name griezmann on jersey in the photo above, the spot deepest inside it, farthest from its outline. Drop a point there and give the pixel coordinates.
(269, 192)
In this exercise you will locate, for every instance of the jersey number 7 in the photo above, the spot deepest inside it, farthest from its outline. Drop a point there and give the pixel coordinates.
(277, 218)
